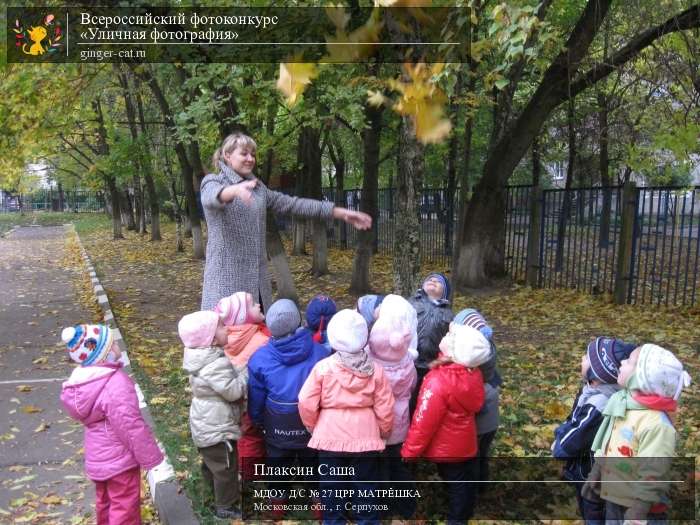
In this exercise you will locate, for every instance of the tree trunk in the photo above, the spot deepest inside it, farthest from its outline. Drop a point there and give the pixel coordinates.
(311, 155)
(185, 166)
(604, 159)
(566, 206)
(482, 238)
(464, 180)
(407, 245)
(338, 157)
(275, 252)
(536, 162)
(128, 211)
(452, 154)
(179, 244)
(103, 149)
(299, 223)
(148, 177)
(61, 197)
(116, 209)
(371, 139)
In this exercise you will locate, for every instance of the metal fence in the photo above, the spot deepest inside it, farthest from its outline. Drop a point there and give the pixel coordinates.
(438, 217)
(53, 200)
(578, 248)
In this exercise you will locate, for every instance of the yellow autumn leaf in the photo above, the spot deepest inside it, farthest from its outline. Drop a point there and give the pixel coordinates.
(556, 411)
(158, 400)
(338, 15)
(24, 388)
(402, 3)
(31, 409)
(52, 500)
(356, 45)
(293, 79)
(375, 98)
(41, 428)
(431, 126)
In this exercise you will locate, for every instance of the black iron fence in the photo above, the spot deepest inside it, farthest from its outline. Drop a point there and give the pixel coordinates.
(438, 217)
(578, 239)
(53, 200)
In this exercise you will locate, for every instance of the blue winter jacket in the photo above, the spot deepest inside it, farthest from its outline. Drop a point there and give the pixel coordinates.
(573, 438)
(276, 373)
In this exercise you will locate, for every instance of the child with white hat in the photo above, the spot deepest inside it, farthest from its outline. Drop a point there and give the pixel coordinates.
(347, 405)
(638, 423)
(443, 429)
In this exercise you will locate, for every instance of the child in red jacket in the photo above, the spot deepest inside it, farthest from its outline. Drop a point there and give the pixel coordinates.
(443, 429)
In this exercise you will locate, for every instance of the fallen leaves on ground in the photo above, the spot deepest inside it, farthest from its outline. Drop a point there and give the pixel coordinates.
(540, 335)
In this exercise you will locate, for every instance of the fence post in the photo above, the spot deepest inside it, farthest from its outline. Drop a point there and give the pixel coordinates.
(624, 251)
(533, 237)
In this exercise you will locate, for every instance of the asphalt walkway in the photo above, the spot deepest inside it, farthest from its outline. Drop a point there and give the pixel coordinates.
(41, 467)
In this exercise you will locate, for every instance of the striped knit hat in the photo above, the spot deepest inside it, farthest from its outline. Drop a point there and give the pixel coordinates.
(605, 355)
(472, 318)
(88, 344)
(233, 309)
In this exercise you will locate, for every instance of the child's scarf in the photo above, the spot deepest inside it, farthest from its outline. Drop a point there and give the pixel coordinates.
(359, 362)
(629, 398)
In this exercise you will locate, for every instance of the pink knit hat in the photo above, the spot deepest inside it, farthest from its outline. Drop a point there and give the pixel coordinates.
(233, 309)
(198, 329)
(389, 339)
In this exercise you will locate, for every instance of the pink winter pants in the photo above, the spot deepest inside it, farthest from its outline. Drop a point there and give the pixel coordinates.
(118, 500)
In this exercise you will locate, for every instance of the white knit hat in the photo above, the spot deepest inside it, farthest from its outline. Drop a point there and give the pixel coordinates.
(347, 332)
(660, 372)
(467, 346)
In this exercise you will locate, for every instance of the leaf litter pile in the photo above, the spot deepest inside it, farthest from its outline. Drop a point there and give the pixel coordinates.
(540, 335)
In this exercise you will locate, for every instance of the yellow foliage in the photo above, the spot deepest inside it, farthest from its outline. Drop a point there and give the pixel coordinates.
(423, 101)
(293, 79)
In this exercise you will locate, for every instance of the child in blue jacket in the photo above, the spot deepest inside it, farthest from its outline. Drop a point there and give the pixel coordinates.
(573, 439)
(276, 373)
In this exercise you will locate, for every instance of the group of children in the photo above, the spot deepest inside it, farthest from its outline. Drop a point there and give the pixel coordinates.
(362, 390)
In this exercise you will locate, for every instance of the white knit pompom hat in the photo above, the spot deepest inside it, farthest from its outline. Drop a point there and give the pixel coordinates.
(347, 332)
(660, 372)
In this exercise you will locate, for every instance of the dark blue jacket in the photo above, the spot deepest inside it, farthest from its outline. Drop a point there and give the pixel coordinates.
(276, 373)
(573, 438)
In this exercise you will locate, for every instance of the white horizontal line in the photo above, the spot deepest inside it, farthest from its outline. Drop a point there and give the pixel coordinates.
(19, 382)
(468, 481)
(269, 43)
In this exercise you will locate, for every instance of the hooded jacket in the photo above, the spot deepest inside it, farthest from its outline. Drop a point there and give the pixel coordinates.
(574, 437)
(443, 427)
(243, 340)
(346, 411)
(103, 398)
(403, 378)
(276, 374)
(217, 392)
(433, 323)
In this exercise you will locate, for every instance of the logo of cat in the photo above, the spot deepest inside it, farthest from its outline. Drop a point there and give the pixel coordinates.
(39, 39)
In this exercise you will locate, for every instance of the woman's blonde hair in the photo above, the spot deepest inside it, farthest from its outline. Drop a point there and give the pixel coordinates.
(229, 144)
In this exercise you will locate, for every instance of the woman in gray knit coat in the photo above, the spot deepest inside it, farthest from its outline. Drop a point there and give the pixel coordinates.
(235, 207)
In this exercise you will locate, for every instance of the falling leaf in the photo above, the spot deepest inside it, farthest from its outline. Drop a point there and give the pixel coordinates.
(31, 409)
(7, 436)
(158, 400)
(40, 360)
(293, 79)
(375, 98)
(19, 502)
(338, 15)
(24, 388)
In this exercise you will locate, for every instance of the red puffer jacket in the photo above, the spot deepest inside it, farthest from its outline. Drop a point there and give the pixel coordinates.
(443, 427)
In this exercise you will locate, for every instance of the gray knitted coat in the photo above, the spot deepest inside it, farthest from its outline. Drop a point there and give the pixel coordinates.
(236, 251)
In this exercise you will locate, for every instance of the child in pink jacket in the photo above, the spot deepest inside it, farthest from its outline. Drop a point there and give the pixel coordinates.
(118, 442)
(347, 405)
(389, 344)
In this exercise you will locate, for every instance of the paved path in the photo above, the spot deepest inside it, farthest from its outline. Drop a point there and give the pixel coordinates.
(41, 467)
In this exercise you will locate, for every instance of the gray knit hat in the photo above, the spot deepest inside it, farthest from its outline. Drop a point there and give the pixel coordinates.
(282, 318)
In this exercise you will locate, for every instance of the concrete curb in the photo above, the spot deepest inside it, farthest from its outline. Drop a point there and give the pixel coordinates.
(8, 232)
(173, 506)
